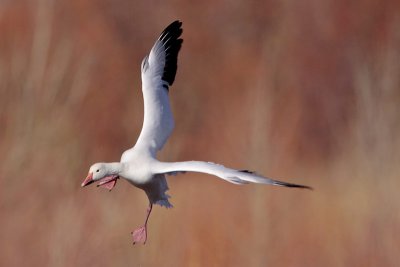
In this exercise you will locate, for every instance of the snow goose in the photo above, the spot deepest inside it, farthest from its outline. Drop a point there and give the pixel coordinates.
(139, 165)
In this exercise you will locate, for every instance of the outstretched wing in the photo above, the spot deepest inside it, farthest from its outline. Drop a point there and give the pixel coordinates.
(158, 73)
(230, 175)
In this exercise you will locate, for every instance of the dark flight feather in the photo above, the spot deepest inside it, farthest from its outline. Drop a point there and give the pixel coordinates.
(172, 44)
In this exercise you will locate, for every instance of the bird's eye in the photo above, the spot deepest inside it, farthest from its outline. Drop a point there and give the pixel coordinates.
(97, 170)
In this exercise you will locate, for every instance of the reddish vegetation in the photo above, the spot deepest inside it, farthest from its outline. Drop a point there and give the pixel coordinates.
(304, 91)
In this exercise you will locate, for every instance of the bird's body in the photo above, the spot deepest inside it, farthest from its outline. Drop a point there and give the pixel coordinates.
(139, 164)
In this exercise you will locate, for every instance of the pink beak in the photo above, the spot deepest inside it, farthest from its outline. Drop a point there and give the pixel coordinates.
(88, 180)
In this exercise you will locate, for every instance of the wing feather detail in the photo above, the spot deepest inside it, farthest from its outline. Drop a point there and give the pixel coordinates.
(228, 174)
(158, 73)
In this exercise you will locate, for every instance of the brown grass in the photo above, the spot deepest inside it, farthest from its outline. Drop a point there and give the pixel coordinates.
(304, 91)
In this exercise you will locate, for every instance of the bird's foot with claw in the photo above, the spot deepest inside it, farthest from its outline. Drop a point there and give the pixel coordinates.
(108, 182)
(139, 235)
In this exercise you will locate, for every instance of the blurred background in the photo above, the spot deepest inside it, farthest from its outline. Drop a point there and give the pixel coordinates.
(303, 91)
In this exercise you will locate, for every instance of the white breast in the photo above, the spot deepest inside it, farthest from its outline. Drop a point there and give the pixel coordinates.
(137, 166)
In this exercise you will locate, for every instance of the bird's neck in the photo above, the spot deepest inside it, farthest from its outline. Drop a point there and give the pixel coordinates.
(114, 168)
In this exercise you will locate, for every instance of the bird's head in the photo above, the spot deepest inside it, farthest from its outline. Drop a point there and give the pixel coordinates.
(96, 172)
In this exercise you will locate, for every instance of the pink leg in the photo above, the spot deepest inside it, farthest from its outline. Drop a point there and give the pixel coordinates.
(108, 182)
(140, 234)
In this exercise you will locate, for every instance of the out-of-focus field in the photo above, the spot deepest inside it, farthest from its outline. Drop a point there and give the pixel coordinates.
(303, 91)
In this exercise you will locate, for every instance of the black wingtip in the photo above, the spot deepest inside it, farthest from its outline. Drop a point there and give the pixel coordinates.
(172, 43)
(293, 185)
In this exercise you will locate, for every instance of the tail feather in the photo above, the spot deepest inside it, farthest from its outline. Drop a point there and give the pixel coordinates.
(164, 203)
(156, 189)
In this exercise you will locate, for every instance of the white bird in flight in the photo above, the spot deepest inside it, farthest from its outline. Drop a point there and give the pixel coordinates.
(139, 164)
